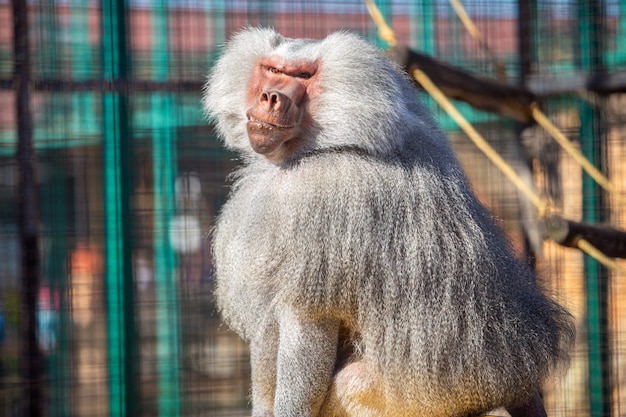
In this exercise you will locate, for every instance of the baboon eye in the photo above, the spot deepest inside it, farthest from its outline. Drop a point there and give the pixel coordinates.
(274, 70)
(304, 75)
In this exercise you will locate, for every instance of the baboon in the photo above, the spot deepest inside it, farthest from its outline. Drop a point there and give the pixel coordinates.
(352, 254)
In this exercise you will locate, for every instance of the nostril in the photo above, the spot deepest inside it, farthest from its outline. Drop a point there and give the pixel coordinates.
(272, 98)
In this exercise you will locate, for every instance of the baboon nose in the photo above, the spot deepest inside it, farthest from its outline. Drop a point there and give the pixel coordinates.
(274, 100)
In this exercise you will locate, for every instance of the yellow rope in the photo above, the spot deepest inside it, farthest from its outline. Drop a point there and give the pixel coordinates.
(576, 154)
(388, 36)
(480, 142)
(506, 169)
(539, 116)
(384, 31)
(542, 206)
(595, 253)
(472, 29)
(468, 22)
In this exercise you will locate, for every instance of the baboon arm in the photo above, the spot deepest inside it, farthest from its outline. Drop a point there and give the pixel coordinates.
(263, 353)
(306, 357)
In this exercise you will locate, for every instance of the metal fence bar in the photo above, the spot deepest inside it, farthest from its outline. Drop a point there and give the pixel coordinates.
(31, 360)
(164, 170)
(117, 148)
(592, 145)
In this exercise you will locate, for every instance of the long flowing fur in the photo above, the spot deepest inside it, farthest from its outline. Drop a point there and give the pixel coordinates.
(375, 224)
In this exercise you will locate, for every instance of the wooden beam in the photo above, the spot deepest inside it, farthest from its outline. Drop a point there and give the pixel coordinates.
(608, 240)
(480, 92)
(499, 97)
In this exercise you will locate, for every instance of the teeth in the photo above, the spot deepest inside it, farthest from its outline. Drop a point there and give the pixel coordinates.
(269, 125)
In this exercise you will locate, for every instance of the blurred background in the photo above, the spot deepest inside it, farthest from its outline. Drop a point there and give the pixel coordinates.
(111, 177)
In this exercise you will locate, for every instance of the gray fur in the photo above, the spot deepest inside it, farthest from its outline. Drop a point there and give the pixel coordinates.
(373, 229)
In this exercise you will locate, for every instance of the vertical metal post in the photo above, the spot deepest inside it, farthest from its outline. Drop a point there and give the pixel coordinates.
(52, 193)
(30, 356)
(164, 169)
(118, 180)
(526, 20)
(590, 15)
(427, 34)
(527, 15)
(54, 213)
(82, 124)
(83, 121)
(620, 52)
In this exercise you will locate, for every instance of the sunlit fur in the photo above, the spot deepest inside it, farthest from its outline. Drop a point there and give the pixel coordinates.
(373, 225)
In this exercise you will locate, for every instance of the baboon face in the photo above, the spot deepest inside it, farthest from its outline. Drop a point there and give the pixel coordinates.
(277, 94)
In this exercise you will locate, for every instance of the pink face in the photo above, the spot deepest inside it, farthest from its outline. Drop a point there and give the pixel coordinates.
(278, 93)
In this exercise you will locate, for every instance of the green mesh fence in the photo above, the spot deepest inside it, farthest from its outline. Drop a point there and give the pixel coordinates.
(106, 303)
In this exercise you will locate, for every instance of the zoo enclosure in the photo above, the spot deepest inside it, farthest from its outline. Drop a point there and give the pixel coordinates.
(110, 177)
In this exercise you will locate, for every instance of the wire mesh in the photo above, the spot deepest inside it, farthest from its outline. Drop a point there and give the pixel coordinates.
(130, 177)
